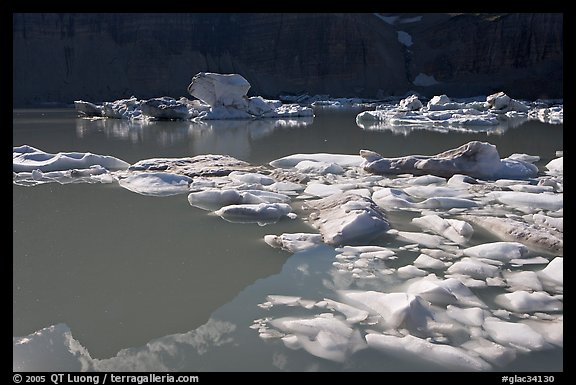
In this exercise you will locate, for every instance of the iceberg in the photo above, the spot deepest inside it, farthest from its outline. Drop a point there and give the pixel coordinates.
(219, 97)
(476, 159)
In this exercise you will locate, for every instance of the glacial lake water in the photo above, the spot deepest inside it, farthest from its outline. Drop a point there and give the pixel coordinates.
(175, 288)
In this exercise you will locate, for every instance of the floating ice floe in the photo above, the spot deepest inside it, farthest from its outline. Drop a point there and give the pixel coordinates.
(494, 115)
(156, 183)
(474, 268)
(535, 236)
(200, 165)
(27, 159)
(501, 251)
(414, 348)
(515, 334)
(323, 336)
(294, 242)
(50, 348)
(221, 97)
(342, 160)
(260, 213)
(476, 159)
(453, 229)
(552, 276)
(347, 217)
(213, 199)
(93, 174)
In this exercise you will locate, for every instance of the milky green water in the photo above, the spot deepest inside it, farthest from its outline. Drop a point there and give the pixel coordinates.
(124, 270)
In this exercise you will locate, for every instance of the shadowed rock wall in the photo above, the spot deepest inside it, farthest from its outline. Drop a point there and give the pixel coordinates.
(97, 57)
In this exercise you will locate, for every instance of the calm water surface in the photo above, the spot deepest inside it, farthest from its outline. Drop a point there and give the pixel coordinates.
(150, 274)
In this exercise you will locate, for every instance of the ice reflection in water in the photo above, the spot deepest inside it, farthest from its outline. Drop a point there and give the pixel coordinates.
(407, 128)
(232, 137)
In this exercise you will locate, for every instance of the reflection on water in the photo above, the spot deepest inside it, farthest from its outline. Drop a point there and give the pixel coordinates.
(222, 342)
(231, 137)
(408, 128)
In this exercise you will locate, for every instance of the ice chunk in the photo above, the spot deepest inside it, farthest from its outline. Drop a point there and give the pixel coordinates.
(513, 334)
(444, 292)
(352, 314)
(251, 177)
(552, 330)
(261, 213)
(339, 159)
(553, 274)
(556, 166)
(536, 237)
(323, 336)
(548, 221)
(522, 280)
(426, 240)
(455, 230)
(474, 268)
(396, 309)
(546, 201)
(322, 190)
(165, 108)
(213, 199)
(27, 159)
(411, 103)
(414, 348)
(410, 271)
(502, 251)
(523, 301)
(473, 316)
(87, 108)
(476, 159)
(156, 183)
(347, 217)
(427, 262)
(490, 351)
(294, 242)
(321, 168)
(208, 165)
(219, 89)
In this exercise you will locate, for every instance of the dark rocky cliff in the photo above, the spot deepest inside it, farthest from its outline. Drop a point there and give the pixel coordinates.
(97, 57)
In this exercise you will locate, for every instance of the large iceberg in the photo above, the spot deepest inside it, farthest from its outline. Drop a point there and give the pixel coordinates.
(219, 97)
(476, 159)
